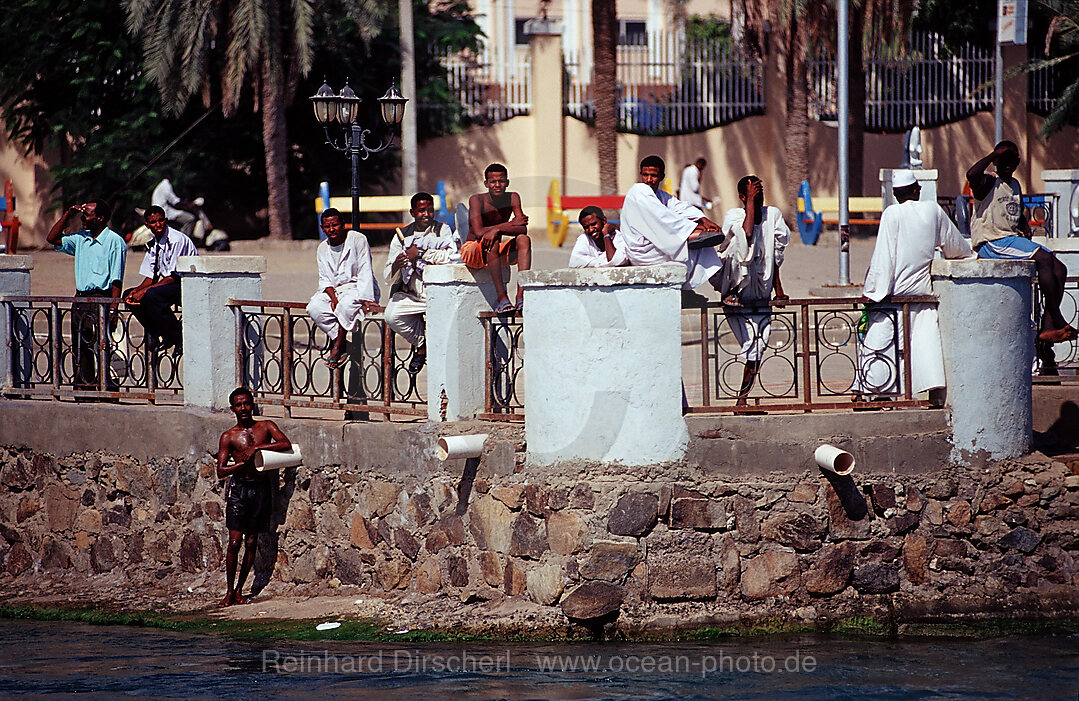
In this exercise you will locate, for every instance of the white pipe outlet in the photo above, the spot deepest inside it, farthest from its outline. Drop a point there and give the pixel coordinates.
(834, 460)
(274, 460)
(453, 447)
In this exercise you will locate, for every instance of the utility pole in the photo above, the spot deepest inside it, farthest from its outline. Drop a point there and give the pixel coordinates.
(409, 156)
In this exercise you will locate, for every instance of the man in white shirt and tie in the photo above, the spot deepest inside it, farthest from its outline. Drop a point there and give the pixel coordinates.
(153, 298)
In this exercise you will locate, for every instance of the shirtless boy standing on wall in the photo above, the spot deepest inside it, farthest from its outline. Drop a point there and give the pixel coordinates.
(247, 497)
(493, 215)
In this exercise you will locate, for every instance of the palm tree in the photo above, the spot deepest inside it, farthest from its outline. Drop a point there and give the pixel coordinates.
(796, 27)
(199, 47)
(605, 91)
(1061, 49)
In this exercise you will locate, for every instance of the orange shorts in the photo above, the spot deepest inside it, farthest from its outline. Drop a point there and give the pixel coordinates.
(474, 254)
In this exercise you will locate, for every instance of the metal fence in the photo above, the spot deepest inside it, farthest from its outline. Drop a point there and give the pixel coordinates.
(480, 92)
(282, 356)
(931, 84)
(802, 355)
(1060, 361)
(58, 351)
(672, 85)
(1045, 84)
(504, 366)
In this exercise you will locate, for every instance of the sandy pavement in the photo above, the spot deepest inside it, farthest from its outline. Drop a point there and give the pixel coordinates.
(292, 275)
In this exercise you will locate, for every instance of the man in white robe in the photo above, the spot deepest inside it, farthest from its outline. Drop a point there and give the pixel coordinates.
(657, 228)
(689, 190)
(757, 238)
(346, 283)
(424, 241)
(601, 245)
(910, 233)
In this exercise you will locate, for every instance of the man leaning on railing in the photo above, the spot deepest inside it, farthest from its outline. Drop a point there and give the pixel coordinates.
(99, 272)
(910, 232)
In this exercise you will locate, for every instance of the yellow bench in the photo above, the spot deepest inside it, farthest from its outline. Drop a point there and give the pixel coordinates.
(863, 205)
(379, 204)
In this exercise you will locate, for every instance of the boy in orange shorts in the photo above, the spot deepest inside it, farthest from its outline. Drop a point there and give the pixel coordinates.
(497, 230)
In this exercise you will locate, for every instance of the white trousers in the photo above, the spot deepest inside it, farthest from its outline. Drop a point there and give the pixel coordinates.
(348, 314)
(405, 314)
(879, 366)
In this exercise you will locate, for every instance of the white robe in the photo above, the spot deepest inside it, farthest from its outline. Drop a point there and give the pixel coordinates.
(750, 271)
(352, 279)
(689, 190)
(909, 235)
(586, 254)
(656, 227)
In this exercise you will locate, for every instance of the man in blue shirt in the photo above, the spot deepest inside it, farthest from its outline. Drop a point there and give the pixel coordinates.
(99, 272)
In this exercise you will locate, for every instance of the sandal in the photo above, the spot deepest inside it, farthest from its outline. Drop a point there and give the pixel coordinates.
(334, 363)
(520, 306)
(731, 300)
(505, 307)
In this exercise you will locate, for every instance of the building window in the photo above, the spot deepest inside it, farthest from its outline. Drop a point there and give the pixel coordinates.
(632, 33)
(521, 38)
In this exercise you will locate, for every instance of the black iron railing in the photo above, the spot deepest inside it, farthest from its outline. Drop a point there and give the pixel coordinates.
(504, 366)
(283, 359)
(58, 350)
(800, 355)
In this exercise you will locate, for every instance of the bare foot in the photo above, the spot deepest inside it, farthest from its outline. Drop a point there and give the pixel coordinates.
(229, 600)
(241, 600)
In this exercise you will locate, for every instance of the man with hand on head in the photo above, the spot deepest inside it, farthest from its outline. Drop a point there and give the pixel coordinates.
(99, 254)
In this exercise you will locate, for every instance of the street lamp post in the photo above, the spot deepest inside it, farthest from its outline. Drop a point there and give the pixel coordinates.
(343, 108)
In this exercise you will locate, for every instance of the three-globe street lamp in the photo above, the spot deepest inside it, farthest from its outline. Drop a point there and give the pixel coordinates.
(344, 109)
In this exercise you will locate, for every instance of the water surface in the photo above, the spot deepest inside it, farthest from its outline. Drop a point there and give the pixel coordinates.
(42, 659)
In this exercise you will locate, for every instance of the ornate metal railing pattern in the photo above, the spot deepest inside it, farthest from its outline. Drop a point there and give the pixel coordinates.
(504, 366)
(1060, 360)
(58, 350)
(802, 354)
(283, 358)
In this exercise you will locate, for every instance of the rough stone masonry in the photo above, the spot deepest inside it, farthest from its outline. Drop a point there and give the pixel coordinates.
(499, 547)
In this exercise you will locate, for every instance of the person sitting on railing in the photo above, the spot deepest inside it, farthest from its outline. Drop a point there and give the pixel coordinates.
(424, 241)
(601, 245)
(492, 215)
(999, 230)
(346, 283)
(910, 232)
(659, 228)
(152, 300)
(99, 254)
(757, 237)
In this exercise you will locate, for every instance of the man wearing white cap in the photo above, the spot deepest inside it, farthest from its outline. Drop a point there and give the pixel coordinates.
(909, 234)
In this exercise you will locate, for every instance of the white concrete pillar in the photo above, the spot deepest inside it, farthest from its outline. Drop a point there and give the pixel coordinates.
(14, 281)
(455, 341)
(603, 365)
(1065, 185)
(211, 340)
(926, 178)
(985, 308)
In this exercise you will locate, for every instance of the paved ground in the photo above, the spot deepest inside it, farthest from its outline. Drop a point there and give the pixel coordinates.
(292, 275)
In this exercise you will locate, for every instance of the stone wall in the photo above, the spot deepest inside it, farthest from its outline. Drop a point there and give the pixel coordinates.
(668, 546)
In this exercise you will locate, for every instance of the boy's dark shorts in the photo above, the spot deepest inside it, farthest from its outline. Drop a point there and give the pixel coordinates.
(247, 506)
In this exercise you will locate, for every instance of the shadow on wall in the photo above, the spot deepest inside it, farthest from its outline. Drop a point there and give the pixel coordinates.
(282, 490)
(1061, 436)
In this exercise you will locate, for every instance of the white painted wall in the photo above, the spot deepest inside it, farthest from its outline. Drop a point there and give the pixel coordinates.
(211, 366)
(603, 365)
(455, 341)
